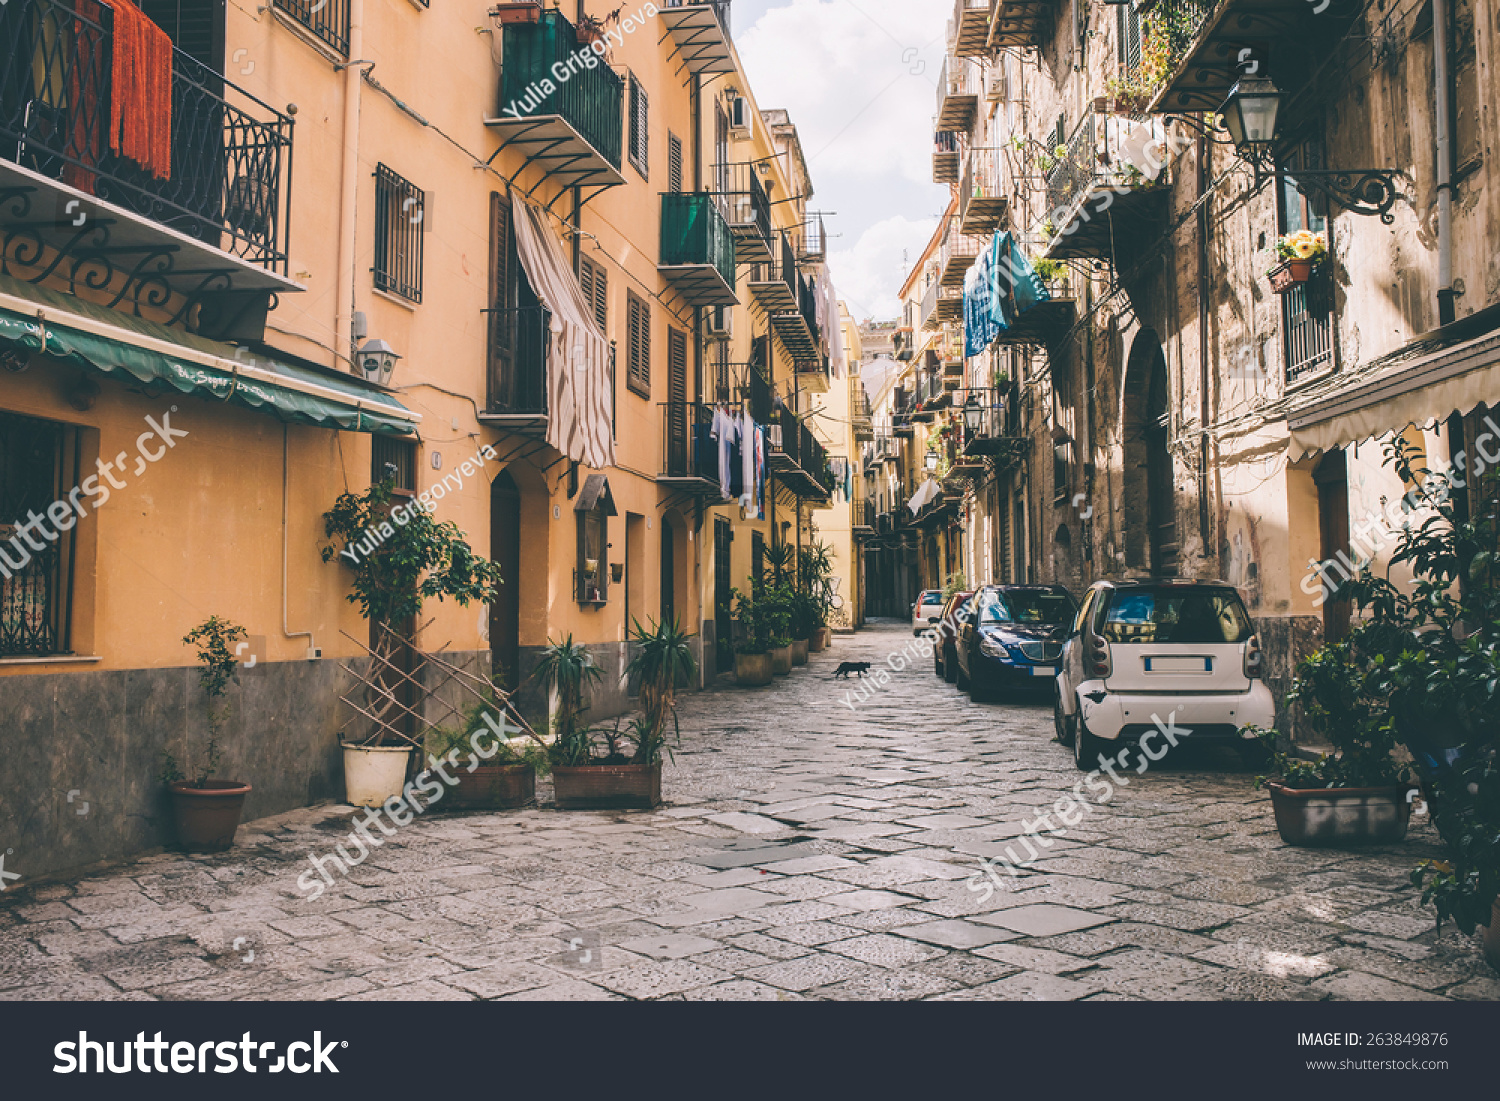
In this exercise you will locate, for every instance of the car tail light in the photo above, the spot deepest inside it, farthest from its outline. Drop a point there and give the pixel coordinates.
(1098, 657)
(1253, 658)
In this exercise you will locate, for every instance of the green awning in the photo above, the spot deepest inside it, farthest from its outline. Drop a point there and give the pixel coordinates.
(35, 319)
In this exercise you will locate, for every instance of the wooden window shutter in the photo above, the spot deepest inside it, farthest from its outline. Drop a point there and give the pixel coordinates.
(676, 365)
(674, 163)
(594, 283)
(639, 146)
(639, 352)
(501, 318)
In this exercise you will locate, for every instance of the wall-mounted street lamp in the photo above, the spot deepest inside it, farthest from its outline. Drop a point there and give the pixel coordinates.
(377, 360)
(1251, 112)
(973, 414)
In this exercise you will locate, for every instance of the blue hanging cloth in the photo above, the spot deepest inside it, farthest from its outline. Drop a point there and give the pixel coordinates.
(983, 319)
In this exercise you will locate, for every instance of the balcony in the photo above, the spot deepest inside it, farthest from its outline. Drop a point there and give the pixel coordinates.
(945, 157)
(746, 207)
(700, 35)
(951, 352)
(902, 344)
(861, 418)
(1017, 24)
(969, 30)
(758, 393)
(572, 133)
(519, 340)
(690, 455)
(799, 333)
(813, 248)
(1107, 155)
(941, 304)
(697, 249)
(981, 200)
(774, 281)
(1042, 322)
(958, 94)
(956, 255)
(207, 228)
(862, 517)
(797, 458)
(1191, 51)
(814, 375)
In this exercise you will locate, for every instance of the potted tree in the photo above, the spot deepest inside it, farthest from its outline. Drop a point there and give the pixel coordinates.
(399, 557)
(1439, 668)
(802, 622)
(777, 600)
(207, 811)
(501, 775)
(815, 567)
(1356, 795)
(752, 650)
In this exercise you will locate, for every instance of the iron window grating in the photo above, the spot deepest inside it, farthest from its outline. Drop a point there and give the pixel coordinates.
(39, 465)
(328, 20)
(399, 225)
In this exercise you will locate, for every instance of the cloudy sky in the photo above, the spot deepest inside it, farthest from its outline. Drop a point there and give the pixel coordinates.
(860, 81)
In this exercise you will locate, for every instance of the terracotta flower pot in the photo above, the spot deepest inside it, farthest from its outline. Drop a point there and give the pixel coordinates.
(207, 816)
(1336, 817)
(494, 787)
(799, 651)
(781, 660)
(1492, 937)
(1287, 274)
(752, 670)
(607, 787)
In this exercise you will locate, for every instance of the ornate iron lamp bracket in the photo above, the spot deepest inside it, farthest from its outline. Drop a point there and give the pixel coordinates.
(1358, 190)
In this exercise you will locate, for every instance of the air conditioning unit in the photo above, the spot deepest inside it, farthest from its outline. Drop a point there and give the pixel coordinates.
(719, 325)
(739, 116)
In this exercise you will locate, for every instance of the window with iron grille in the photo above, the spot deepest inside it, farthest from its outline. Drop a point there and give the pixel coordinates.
(639, 146)
(38, 467)
(396, 459)
(638, 354)
(674, 163)
(399, 206)
(326, 19)
(1306, 309)
(1128, 37)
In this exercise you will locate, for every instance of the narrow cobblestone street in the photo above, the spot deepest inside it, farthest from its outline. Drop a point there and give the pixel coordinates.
(805, 851)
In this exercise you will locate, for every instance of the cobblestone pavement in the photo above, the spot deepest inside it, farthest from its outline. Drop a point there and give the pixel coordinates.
(805, 851)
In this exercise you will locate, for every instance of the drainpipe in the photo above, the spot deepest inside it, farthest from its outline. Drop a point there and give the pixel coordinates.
(286, 466)
(1203, 372)
(1444, 161)
(349, 187)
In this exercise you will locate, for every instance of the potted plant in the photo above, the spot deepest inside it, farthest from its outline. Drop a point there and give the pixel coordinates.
(399, 557)
(1299, 254)
(777, 600)
(1356, 795)
(207, 811)
(752, 650)
(802, 622)
(815, 567)
(503, 778)
(1439, 668)
(525, 11)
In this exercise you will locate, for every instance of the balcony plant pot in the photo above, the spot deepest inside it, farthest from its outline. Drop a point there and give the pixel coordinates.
(607, 787)
(799, 651)
(752, 670)
(1339, 817)
(374, 773)
(519, 13)
(781, 660)
(1287, 274)
(492, 787)
(207, 814)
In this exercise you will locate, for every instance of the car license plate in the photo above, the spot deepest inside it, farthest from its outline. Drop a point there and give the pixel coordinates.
(1043, 671)
(1179, 665)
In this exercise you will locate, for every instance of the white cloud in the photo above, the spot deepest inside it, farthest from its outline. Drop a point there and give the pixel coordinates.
(860, 81)
(869, 275)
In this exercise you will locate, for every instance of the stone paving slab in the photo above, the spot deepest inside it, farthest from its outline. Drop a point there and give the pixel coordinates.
(832, 856)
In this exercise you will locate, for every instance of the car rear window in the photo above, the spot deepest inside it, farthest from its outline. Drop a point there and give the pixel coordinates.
(1199, 617)
(1038, 606)
(931, 596)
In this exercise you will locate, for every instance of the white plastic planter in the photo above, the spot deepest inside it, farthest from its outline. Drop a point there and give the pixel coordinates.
(374, 773)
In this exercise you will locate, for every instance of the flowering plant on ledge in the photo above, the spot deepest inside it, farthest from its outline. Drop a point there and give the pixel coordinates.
(1299, 253)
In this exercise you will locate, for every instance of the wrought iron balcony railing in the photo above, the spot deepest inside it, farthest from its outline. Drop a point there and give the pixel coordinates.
(688, 449)
(228, 183)
(590, 101)
(697, 244)
(743, 202)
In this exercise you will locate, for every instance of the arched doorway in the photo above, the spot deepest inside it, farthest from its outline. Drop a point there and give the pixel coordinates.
(1152, 544)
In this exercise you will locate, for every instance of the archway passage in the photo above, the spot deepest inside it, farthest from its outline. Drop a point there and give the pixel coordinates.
(505, 550)
(1150, 545)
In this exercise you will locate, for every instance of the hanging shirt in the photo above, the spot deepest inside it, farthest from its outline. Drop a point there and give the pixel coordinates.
(726, 431)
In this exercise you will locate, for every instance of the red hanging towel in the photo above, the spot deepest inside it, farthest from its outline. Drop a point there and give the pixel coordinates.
(140, 109)
(85, 130)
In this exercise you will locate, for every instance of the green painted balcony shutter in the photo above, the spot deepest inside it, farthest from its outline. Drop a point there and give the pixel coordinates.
(639, 145)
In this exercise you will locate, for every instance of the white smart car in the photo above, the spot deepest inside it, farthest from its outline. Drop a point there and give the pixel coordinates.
(1162, 652)
(926, 612)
